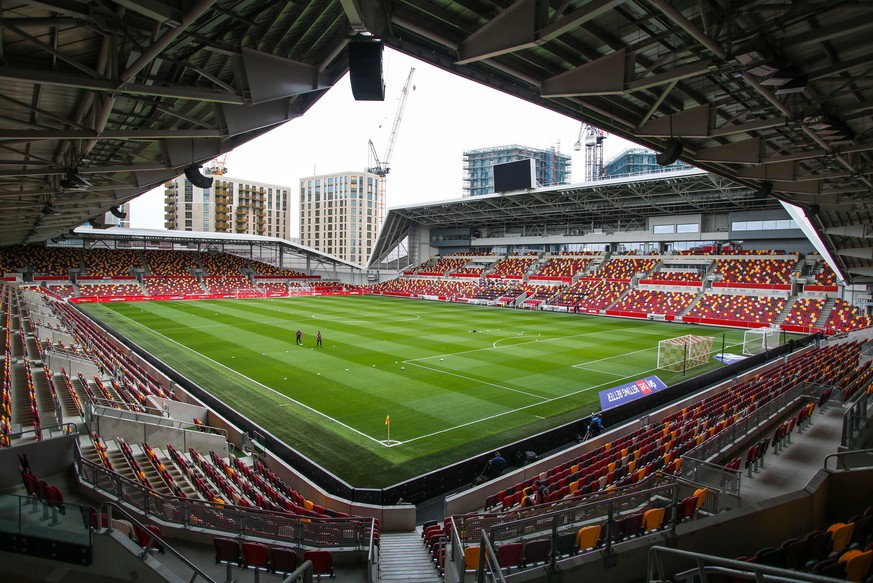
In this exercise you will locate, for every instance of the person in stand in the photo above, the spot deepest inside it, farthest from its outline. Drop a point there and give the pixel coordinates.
(299, 337)
(318, 339)
(595, 427)
(541, 491)
(496, 465)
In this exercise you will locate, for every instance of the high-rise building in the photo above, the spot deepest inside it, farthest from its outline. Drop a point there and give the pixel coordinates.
(339, 214)
(552, 167)
(635, 161)
(232, 205)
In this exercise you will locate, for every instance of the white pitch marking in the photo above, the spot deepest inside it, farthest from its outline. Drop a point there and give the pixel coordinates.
(296, 402)
(477, 381)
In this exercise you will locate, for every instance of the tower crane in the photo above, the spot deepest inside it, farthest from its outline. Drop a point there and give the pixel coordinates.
(592, 138)
(382, 167)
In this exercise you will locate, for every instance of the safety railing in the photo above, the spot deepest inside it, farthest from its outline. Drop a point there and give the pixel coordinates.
(302, 574)
(607, 511)
(737, 431)
(850, 460)
(112, 510)
(351, 533)
(689, 566)
(31, 517)
(46, 431)
(726, 480)
(856, 420)
(489, 565)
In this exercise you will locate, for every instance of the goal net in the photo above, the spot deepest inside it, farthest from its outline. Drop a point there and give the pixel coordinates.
(250, 292)
(758, 340)
(684, 352)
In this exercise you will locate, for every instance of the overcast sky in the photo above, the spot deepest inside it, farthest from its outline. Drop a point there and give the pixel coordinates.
(444, 116)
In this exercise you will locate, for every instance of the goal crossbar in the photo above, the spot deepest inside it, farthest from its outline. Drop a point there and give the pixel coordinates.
(684, 352)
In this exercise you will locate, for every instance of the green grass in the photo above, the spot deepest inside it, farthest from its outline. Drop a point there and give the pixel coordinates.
(456, 380)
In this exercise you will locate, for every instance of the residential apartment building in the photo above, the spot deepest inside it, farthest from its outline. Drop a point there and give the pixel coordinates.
(231, 205)
(339, 214)
(552, 167)
(636, 161)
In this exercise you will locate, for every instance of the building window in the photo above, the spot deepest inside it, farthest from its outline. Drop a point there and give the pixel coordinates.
(663, 229)
(687, 228)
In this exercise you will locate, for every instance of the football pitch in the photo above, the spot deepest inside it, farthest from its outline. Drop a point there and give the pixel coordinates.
(456, 380)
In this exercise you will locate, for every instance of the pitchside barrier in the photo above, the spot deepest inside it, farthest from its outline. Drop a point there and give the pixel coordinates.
(684, 352)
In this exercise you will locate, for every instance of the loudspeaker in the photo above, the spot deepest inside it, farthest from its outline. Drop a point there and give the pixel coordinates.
(670, 154)
(192, 173)
(764, 190)
(365, 70)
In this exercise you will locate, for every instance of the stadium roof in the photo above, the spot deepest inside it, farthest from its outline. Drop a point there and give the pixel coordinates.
(204, 238)
(617, 203)
(104, 100)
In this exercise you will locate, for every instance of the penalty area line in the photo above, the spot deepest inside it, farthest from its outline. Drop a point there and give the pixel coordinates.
(642, 373)
(260, 384)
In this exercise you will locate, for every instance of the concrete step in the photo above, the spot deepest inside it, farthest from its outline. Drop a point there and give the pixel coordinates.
(403, 557)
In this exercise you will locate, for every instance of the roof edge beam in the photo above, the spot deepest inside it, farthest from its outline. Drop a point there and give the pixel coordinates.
(510, 31)
(860, 231)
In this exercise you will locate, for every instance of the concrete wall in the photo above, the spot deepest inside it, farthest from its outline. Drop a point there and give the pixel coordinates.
(135, 430)
(47, 457)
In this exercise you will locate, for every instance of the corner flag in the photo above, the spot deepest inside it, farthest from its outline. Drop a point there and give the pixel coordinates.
(388, 420)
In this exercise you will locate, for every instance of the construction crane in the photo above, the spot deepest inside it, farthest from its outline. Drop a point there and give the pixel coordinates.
(592, 138)
(382, 167)
(218, 166)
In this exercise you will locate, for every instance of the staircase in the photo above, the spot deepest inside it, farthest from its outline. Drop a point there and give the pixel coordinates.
(403, 557)
(825, 313)
(784, 313)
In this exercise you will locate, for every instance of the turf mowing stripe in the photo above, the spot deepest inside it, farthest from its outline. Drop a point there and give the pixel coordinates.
(307, 407)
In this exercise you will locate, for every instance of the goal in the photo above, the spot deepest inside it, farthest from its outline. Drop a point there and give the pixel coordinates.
(250, 292)
(684, 352)
(758, 340)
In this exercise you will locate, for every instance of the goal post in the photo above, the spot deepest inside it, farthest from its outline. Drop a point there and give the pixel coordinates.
(250, 292)
(684, 352)
(758, 340)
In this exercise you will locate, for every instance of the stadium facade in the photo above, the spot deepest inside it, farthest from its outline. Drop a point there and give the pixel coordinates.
(339, 213)
(551, 166)
(231, 205)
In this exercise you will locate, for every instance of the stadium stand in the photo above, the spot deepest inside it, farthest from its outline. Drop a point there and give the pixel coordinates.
(748, 309)
(223, 264)
(225, 284)
(110, 290)
(512, 267)
(267, 269)
(624, 267)
(645, 301)
(804, 313)
(755, 271)
(845, 317)
(111, 263)
(172, 285)
(62, 290)
(171, 263)
(444, 266)
(563, 266)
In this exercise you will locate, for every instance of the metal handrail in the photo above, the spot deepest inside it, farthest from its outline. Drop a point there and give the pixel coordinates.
(145, 553)
(304, 570)
(855, 419)
(221, 518)
(705, 564)
(845, 453)
(67, 429)
(488, 558)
